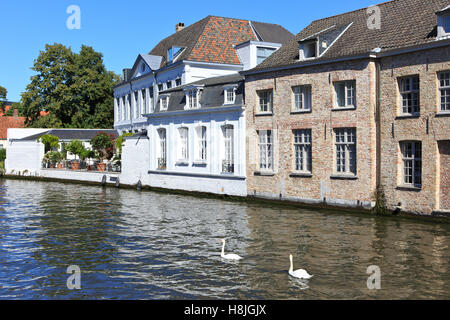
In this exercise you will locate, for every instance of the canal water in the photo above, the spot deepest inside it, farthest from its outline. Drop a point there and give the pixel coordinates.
(145, 245)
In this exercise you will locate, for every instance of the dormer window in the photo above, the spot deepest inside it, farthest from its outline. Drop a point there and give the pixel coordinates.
(308, 49)
(164, 102)
(229, 94)
(173, 53)
(192, 97)
(443, 18)
(142, 67)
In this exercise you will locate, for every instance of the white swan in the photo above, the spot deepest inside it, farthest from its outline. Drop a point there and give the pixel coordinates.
(230, 256)
(300, 273)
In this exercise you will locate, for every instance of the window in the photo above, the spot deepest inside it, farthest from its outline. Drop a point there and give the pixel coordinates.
(302, 149)
(184, 145)
(178, 82)
(302, 98)
(202, 144)
(118, 109)
(230, 95)
(169, 84)
(137, 104)
(345, 151)
(228, 161)
(265, 101)
(124, 109)
(162, 152)
(447, 24)
(409, 92)
(142, 67)
(308, 50)
(192, 98)
(160, 87)
(345, 94)
(444, 91)
(164, 103)
(412, 163)
(128, 106)
(150, 105)
(173, 53)
(144, 101)
(263, 53)
(265, 150)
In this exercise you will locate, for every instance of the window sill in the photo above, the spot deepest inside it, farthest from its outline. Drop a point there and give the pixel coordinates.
(182, 163)
(301, 111)
(442, 114)
(301, 175)
(265, 114)
(344, 177)
(409, 188)
(264, 173)
(343, 108)
(200, 163)
(408, 116)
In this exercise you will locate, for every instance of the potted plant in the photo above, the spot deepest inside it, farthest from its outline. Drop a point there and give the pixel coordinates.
(75, 147)
(104, 146)
(50, 142)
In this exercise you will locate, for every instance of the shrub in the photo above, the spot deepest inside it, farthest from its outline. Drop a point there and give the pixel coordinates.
(2, 154)
(50, 142)
(104, 145)
(76, 147)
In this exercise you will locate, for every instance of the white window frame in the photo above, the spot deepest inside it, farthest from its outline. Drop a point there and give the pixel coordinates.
(265, 148)
(409, 95)
(193, 95)
(137, 104)
(301, 98)
(228, 163)
(261, 58)
(202, 144)
(123, 108)
(178, 80)
(229, 92)
(444, 92)
(162, 149)
(411, 163)
(303, 150)
(164, 102)
(183, 147)
(119, 115)
(349, 94)
(265, 103)
(345, 151)
(144, 101)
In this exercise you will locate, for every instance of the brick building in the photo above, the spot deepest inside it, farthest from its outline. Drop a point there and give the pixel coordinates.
(356, 101)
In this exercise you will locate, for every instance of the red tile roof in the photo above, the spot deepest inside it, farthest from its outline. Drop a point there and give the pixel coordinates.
(10, 122)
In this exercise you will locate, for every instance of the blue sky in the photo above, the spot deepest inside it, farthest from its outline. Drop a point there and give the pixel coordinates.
(123, 29)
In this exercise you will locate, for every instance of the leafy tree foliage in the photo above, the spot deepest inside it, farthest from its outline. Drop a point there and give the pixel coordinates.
(3, 93)
(103, 144)
(74, 88)
(50, 142)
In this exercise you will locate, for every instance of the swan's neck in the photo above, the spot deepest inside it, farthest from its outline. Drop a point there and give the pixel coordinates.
(223, 249)
(291, 269)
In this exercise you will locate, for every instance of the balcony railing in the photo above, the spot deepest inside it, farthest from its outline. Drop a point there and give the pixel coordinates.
(162, 164)
(227, 166)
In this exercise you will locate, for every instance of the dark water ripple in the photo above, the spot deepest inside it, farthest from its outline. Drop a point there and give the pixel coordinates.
(142, 245)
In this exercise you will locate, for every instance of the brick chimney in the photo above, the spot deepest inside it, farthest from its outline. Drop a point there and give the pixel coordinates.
(179, 26)
(15, 113)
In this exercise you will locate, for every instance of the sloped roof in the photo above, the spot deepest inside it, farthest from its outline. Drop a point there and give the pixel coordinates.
(212, 39)
(211, 96)
(404, 23)
(10, 122)
(72, 134)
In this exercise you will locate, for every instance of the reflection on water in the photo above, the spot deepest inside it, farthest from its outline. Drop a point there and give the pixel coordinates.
(143, 245)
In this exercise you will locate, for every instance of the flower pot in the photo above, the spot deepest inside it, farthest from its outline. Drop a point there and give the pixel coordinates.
(101, 166)
(75, 165)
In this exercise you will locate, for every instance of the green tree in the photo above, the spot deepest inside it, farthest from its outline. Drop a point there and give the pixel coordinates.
(50, 142)
(3, 93)
(104, 146)
(76, 147)
(74, 88)
(120, 140)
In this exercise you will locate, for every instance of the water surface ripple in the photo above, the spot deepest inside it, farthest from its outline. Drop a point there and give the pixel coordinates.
(144, 245)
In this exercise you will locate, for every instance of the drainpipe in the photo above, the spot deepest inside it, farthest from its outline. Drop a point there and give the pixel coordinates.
(378, 123)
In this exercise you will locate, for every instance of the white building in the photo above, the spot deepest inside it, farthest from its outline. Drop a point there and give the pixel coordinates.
(211, 47)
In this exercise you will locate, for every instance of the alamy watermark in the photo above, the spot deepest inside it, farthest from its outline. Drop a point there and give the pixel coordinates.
(74, 281)
(374, 20)
(74, 20)
(374, 280)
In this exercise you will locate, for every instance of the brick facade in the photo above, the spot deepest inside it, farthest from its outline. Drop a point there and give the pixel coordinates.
(322, 185)
(429, 128)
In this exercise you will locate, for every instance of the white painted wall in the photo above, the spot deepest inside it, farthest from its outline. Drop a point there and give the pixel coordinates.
(23, 155)
(135, 161)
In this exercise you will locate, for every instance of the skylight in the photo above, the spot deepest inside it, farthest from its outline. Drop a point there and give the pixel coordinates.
(173, 53)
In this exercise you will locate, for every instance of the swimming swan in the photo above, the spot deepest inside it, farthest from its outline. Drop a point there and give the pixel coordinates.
(230, 256)
(299, 274)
